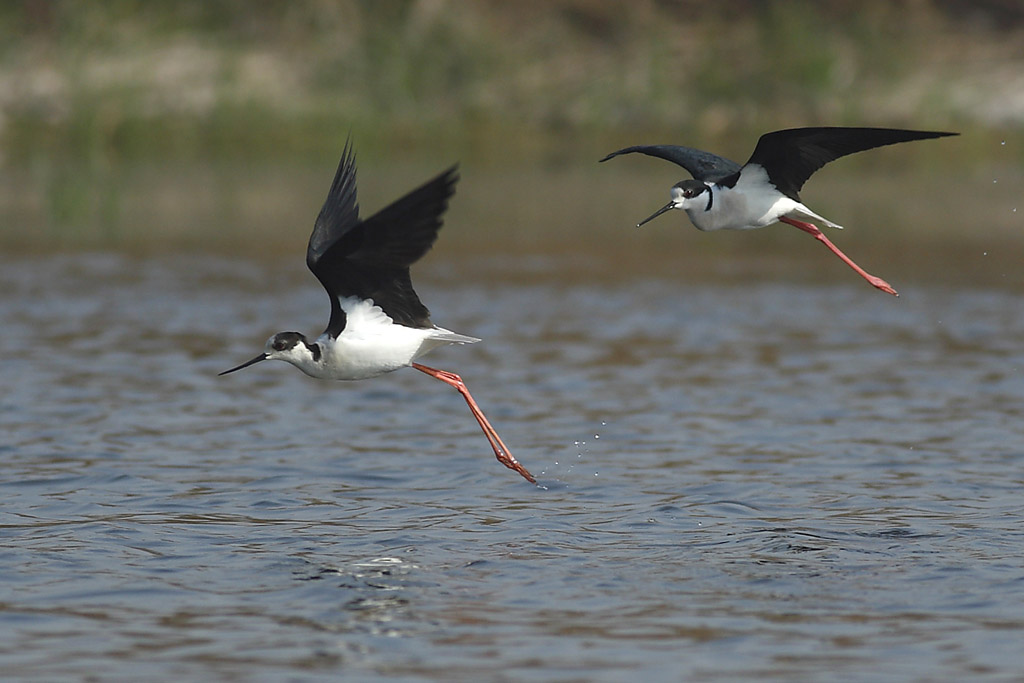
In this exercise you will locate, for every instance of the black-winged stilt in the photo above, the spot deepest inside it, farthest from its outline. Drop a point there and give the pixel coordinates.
(377, 323)
(726, 196)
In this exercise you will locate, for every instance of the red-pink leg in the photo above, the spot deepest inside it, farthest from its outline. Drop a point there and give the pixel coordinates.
(501, 451)
(818, 235)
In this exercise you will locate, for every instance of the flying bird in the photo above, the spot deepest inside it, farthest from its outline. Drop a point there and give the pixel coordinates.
(726, 196)
(378, 324)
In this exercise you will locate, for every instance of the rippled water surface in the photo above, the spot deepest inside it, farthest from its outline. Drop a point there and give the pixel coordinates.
(739, 481)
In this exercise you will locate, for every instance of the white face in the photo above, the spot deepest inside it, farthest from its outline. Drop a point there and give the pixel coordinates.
(678, 198)
(689, 196)
(289, 347)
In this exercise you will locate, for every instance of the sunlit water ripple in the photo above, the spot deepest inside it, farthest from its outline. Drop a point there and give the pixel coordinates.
(738, 482)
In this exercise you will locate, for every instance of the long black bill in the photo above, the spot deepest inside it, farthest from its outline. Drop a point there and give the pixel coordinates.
(246, 364)
(670, 205)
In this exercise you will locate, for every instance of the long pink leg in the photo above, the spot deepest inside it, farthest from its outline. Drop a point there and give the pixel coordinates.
(501, 451)
(818, 235)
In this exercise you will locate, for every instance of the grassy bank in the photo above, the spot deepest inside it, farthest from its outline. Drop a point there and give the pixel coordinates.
(115, 112)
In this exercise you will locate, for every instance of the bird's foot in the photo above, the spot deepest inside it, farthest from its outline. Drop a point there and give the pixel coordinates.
(509, 461)
(882, 285)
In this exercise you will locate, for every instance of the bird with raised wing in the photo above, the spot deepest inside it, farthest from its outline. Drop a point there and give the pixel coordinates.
(378, 324)
(726, 196)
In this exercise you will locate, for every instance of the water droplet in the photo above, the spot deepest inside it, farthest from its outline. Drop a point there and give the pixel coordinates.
(597, 436)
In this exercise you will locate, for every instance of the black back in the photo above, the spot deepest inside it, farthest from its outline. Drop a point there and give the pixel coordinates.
(701, 165)
(791, 156)
(370, 258)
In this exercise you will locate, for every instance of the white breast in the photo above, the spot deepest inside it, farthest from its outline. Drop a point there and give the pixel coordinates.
(752, 203)
(372, 344)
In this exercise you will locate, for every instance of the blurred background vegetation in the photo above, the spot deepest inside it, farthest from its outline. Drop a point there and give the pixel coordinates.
(136, 124)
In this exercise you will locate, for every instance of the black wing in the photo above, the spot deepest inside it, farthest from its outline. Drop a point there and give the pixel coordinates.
(370, 258)
(701, 165)
(791, 156)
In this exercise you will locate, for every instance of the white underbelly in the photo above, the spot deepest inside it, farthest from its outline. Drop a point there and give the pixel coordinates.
(372, 344)
(362, 357)
(736, 211)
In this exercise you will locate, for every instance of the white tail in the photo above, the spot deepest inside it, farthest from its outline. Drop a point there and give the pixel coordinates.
(444, 335)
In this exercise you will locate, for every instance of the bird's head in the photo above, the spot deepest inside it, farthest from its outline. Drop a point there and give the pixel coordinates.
(686, 194)
(292, 347)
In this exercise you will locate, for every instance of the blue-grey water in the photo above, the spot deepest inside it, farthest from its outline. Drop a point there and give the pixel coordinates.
(740, 481)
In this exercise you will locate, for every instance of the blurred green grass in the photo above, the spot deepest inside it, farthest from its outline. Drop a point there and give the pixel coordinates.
(184, 123)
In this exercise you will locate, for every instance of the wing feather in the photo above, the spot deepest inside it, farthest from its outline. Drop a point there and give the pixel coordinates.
(370, 258)
(792, 156)
(700, 164)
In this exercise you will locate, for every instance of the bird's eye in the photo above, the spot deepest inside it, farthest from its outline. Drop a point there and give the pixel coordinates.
(279, 345)
(688, 193)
